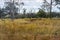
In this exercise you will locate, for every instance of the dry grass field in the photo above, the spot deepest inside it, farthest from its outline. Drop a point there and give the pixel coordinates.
(30, 29)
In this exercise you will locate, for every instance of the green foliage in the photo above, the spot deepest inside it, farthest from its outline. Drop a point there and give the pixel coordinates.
(2, 14)
(41, 13)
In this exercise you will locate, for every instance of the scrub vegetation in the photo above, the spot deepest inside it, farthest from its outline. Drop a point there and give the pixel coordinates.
(30, 29)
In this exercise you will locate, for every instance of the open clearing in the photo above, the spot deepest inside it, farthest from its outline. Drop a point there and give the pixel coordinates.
(30, 29)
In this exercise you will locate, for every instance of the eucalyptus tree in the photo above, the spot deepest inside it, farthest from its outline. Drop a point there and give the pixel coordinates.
(48, 6)
(57, 3)
(11, 8)
(45, 5)
(24, 12)
(1, 13)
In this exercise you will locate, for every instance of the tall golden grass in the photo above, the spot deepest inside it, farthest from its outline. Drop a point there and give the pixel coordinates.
(30, 29)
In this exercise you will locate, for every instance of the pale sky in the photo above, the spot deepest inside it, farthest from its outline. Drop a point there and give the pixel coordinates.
(30, 4)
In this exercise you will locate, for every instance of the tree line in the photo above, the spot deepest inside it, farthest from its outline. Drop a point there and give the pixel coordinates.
(11, 10)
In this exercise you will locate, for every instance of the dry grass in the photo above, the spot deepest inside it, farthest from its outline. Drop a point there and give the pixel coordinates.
(30, 29)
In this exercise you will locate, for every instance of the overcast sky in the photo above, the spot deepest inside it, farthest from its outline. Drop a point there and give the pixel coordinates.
(30, 4)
